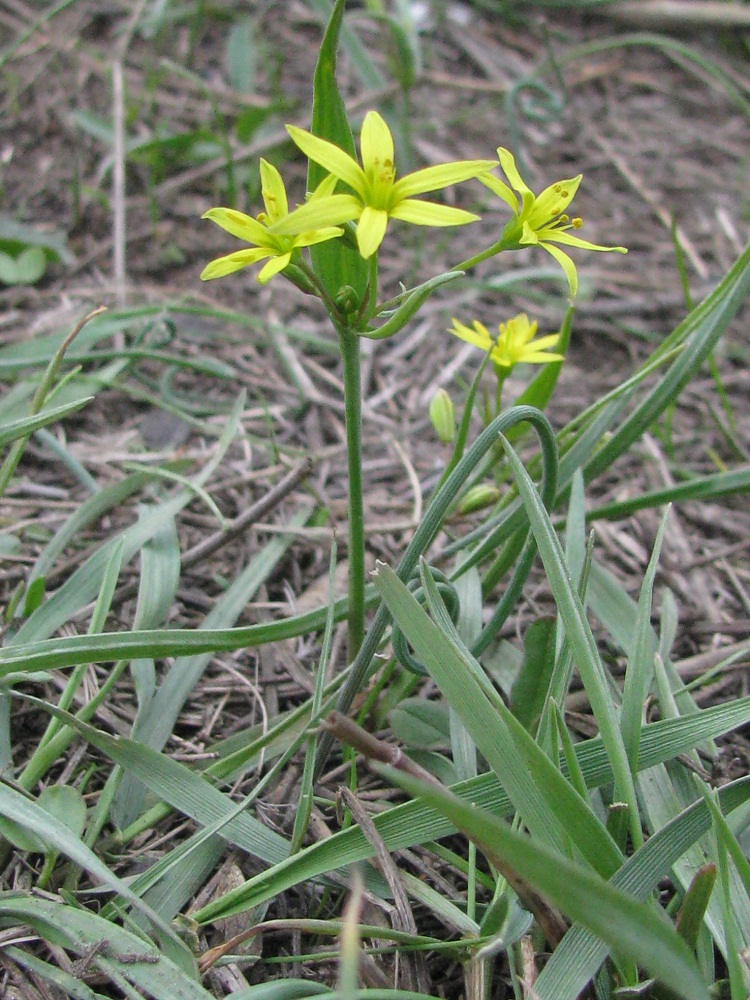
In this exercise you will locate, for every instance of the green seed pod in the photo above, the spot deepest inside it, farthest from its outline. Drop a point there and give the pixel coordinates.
(479, 496)
(443, 416)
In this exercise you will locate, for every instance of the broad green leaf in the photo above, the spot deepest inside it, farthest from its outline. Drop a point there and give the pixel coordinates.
(25, 269)
(422, 724)
(30, 266)
(65, 804)
(335, 264)
(18, 235)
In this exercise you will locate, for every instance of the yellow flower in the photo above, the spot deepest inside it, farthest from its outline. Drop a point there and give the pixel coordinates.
(516, 344)
(376, 194)
(260, 231)
(540, 220)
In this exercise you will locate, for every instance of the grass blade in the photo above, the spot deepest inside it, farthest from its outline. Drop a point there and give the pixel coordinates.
(631, 927)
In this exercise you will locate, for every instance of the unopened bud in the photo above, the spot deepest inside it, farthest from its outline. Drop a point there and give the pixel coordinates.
(478, 497)
(346, 300)
(442, 416)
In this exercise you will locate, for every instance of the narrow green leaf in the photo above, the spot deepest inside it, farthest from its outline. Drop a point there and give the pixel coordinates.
(700, 488)
(16, 429)
(640, 666)
(83, 585)
(548, 804)
(531, 686)
(241, 55)
(581, 953)
(69, 985)
(186, 791)
(54, 834)
(413, 823)
(369, 74)
(626, 924)
(699, 332)
(693, 909)
(125, 957)
(578, 633)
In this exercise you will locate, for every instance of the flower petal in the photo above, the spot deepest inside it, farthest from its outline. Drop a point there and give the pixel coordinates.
(273, 192)
(560, 236)
(274, 265)
(542, 343)
(239, 225)
(552, 201)
(318, 236)
(371, 230)
(566, 264)
(539, 358)
(529, 236)
(440, 176)
(518, 329)
(479, 335)
(376, 144)
(335, 160)
(326, 187)
(501, 190)
(427, 213)
(232, 262)
(319, 213)
(508, 163)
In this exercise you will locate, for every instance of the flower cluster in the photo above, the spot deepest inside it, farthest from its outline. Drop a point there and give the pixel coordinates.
(373, 195)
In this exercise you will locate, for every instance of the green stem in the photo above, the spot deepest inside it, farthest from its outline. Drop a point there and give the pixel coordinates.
(484, 255)
(349, 345)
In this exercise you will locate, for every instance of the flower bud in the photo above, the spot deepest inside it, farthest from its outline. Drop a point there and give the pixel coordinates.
(479, 496)
(346, 300)
(442, 416)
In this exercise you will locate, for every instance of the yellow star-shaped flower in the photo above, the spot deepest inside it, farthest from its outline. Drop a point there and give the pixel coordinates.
(260, 232)
(376, 194)
(540, 220)
(517, 342)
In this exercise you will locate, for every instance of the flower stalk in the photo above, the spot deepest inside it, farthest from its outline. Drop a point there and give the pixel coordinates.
(350, 356)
